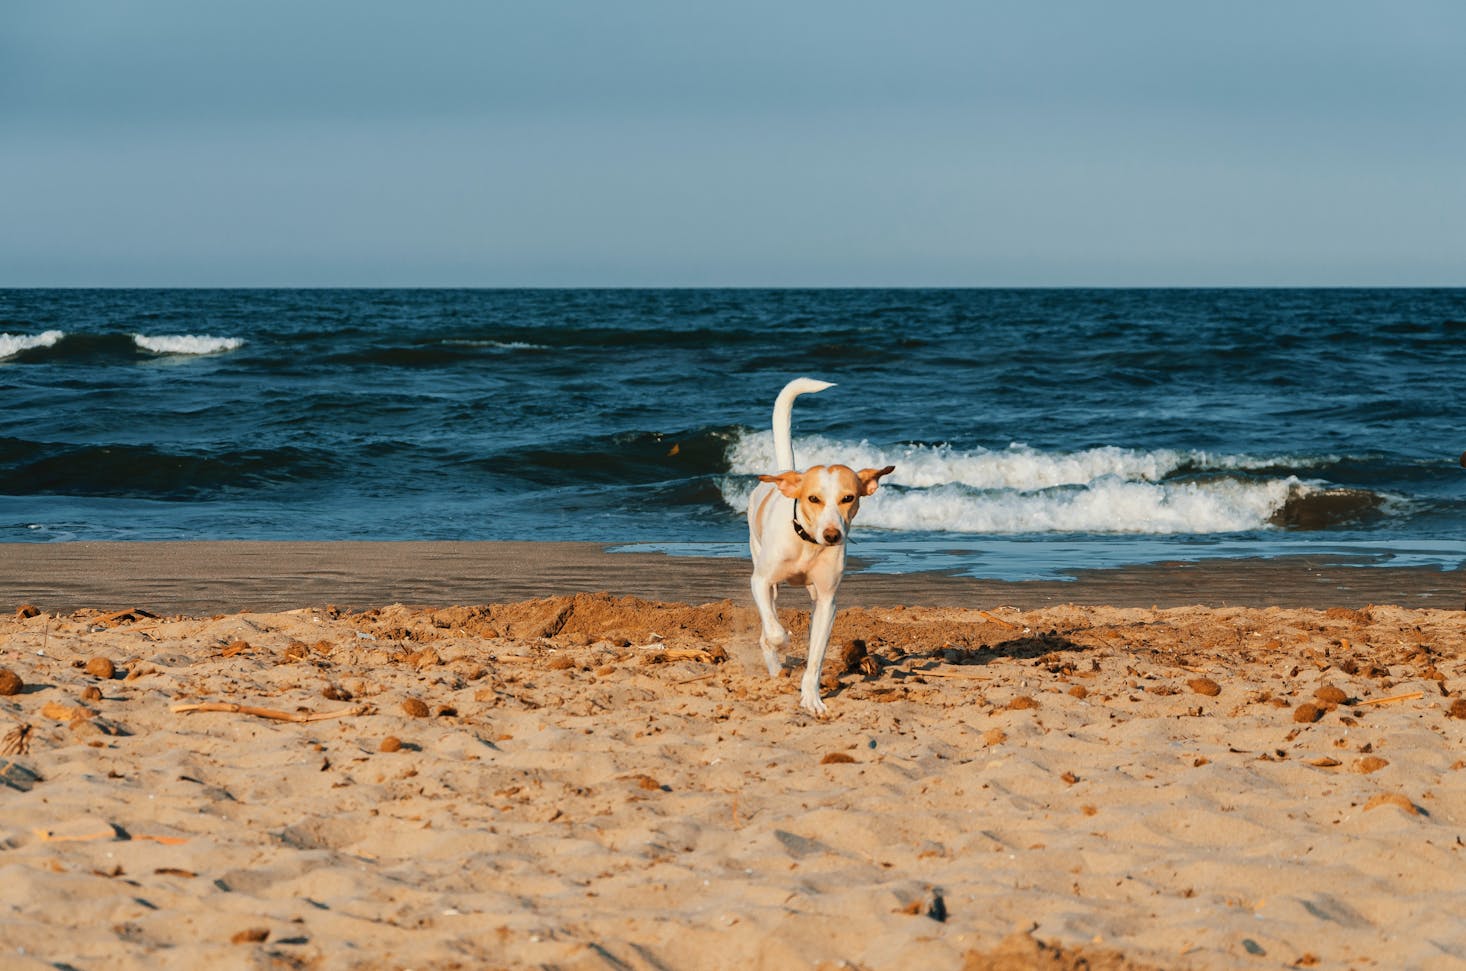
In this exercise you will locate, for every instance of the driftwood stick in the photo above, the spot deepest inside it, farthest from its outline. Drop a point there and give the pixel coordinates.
(1407, 696)
(663, 654)
(110, 833)
(165, 840)
(998, 620)
(934, 673)
(48, 836)
(123, 616)
(277, 715)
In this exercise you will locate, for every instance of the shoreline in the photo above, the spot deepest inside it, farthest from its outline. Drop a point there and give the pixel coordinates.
(226, 576)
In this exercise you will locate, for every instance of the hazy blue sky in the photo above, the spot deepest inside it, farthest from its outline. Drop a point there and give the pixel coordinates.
(800, 142)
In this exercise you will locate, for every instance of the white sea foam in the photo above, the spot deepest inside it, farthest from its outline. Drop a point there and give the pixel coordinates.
(1106, 506)
(1016, 467)
(186, 343)
(497, 345)
(12, 344)
(1023, 490)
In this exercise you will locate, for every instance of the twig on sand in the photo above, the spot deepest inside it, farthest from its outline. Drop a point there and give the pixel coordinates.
(165, 840)
(130, 615)
(700, 677)
(662, 655)
(51, 836)
(109, 833)
(17, 741)
(277, 715)
(998, 620)
(934, 673)
(1407, 696)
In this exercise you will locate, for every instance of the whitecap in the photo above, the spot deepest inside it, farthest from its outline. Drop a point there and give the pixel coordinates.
(12, 344)
(186, 343)
(497, 345)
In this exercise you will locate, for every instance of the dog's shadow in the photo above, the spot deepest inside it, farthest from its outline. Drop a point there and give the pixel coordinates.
(1047, 648)
(1032, 646)
(847, 665)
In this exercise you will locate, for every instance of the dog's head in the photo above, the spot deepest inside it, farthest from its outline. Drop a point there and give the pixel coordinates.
(827, 497)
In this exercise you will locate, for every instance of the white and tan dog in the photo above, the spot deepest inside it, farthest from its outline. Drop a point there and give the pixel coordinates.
(797, 526)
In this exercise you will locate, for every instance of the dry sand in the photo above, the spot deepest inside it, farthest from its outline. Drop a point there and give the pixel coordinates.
(600, 782)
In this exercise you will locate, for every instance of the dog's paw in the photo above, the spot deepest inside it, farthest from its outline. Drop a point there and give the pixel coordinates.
(772, 661)
(811, 703)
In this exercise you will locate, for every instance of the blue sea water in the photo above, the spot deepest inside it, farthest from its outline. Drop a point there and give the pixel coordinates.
(1034, 432)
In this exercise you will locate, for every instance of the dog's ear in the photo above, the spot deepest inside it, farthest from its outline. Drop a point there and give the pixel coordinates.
(870, 479)
(789, 483)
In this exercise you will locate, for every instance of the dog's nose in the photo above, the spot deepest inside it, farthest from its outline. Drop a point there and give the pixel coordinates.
(833, 536)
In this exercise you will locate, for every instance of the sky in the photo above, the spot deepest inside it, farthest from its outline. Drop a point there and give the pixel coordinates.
(688, 143)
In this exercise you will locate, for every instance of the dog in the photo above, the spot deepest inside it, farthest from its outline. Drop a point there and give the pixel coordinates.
(798, 523)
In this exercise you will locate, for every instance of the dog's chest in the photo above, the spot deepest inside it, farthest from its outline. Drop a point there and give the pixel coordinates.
(812, 565)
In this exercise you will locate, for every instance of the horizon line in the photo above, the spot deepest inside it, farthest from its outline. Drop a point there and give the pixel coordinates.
(736, 286)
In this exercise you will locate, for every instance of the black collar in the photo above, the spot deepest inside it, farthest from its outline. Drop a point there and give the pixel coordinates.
(799, 529)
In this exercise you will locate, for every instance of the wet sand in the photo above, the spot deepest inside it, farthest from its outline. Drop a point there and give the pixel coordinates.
(208, 577)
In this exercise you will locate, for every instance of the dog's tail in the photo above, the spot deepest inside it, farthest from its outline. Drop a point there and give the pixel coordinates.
(783, 417)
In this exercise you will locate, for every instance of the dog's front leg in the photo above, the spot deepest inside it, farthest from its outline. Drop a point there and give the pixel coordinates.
(821, 622)
(772, 637)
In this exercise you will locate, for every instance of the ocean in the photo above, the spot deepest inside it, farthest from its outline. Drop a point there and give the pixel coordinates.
(1034, 432)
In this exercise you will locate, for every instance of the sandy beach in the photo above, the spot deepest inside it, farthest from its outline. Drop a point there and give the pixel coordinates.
(439, 756)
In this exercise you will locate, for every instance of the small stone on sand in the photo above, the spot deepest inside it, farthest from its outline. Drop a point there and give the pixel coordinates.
(1307, 713)
(10, 683)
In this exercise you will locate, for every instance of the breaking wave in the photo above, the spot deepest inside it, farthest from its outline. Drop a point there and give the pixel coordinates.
(937, 488)
(186, 343)
(56, 346)
(12, 344)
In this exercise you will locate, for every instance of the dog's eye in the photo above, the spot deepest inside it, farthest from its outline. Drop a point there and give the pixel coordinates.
(846, 500)
(815, 500)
